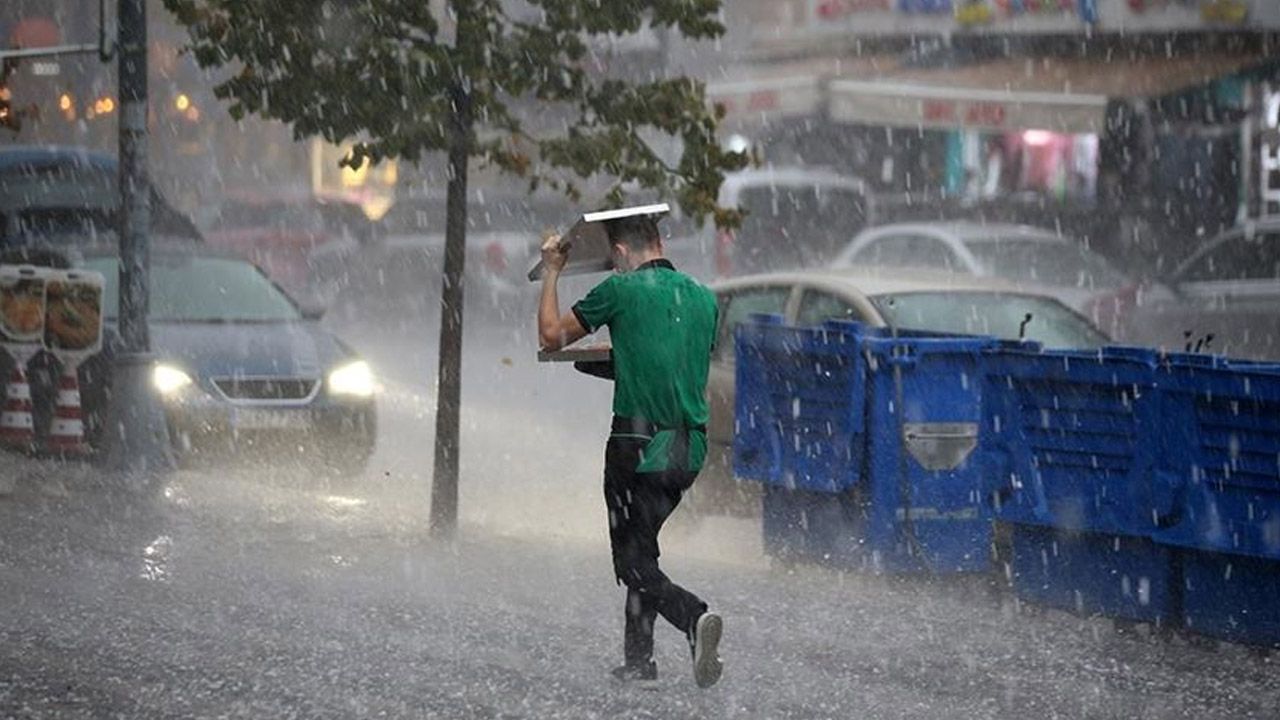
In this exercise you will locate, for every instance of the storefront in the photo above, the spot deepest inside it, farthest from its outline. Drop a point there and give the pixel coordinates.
(1085, 113)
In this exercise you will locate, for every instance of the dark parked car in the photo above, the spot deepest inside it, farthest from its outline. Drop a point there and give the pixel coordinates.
(69, 196)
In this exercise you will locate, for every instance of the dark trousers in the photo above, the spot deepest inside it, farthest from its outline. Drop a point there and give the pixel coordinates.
(638, 505)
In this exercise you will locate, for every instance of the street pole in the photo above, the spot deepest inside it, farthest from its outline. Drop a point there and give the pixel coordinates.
(136, 433)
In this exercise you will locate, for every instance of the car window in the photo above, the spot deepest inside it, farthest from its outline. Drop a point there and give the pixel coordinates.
(736, 306)
(817, 307)
(915, 251)
(1046, 261)
(790, 226)
(202, 289)
(987, 313)
(1239, 258)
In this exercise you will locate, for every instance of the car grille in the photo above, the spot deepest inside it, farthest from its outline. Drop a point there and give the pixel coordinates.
(266, 389)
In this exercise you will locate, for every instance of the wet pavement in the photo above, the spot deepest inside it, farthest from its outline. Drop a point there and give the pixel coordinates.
(256, 593)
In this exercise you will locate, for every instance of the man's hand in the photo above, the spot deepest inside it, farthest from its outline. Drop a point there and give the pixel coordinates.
(554, 253)
(555, 330)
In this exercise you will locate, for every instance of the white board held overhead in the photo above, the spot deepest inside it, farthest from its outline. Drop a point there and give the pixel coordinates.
(588, 241)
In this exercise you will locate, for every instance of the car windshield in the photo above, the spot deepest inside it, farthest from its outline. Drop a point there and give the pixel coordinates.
(986, 313)
(191, 288)
(1046, 261)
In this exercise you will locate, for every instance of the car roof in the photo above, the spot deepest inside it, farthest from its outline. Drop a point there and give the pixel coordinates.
(967, 230)
(1255, 225)
(871, 282)
(165, 248)
(21, 156)
(791, 176)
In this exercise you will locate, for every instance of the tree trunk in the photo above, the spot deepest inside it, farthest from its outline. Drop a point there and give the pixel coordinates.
(444, 477)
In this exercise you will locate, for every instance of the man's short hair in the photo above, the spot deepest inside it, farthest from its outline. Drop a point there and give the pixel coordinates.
(637, 233)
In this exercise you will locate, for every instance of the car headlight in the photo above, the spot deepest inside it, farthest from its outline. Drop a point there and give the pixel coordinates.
(169, 379)
(354, 379)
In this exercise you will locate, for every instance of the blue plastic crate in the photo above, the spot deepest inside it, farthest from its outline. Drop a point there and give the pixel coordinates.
(1087, 573)
(1075, 440)
(1231, 597)
(1222, 442)
(799, 420)
(865, 444)
(929, 501)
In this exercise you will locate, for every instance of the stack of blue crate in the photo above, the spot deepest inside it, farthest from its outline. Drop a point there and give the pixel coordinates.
(864, 442)
(1070, 433)
(799, 427)
(1135, 485)
(1221, 435)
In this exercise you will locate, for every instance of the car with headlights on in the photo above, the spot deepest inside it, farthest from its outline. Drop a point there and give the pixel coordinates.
(241, 367)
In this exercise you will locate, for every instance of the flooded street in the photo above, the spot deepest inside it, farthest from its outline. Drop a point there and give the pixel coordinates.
(260, 593)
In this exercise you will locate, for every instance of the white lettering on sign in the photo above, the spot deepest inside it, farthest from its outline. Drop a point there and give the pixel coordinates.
(45, 69)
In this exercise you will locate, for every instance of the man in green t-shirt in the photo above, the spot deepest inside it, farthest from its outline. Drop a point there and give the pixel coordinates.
(662, 324)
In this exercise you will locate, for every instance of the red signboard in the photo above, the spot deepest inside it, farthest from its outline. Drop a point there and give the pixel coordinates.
(985, 114)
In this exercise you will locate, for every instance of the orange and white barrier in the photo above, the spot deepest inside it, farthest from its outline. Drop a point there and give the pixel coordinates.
(73, 333)
(17, 425)
(66, 433)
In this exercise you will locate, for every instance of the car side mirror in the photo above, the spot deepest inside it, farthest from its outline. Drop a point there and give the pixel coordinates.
(312, 308)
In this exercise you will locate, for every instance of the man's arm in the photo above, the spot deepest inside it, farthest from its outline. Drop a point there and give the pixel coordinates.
(555, 331)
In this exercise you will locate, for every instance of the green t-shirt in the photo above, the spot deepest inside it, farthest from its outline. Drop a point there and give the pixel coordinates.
(662, 324)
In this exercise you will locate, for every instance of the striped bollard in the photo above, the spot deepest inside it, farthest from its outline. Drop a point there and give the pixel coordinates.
(66, 434)
(17, 425)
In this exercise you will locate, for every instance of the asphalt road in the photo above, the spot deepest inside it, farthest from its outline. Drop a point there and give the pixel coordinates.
(252, 592)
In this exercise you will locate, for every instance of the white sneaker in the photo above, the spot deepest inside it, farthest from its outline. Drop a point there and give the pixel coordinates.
(706, 645)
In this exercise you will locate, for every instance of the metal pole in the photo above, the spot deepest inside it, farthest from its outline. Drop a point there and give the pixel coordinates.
(136, 432)
(135, 206)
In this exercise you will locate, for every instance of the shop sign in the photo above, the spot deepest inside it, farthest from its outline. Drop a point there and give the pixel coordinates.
(839, 9)
(978, 12)
(1225, 12)
(1142, 6)
(926, 7)
(1221, 12)
(758, 101)
(963, 114)
(46, 69)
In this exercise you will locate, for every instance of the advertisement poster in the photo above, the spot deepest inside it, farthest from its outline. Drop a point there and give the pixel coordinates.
(73, 313)
(21, 305)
